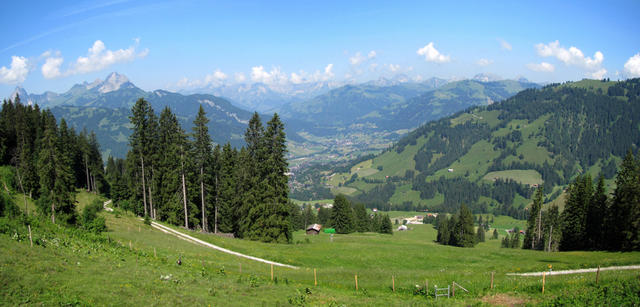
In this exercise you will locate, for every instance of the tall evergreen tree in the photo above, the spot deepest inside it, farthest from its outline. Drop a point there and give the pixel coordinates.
(552, 229)
(595, 216)
(342, 215)
(574, 216)
(140, 141)
(386, 226)
(463, 231)
(623, 223)
(362, 219)
(55, 176)
(202, 158)
(533, 236)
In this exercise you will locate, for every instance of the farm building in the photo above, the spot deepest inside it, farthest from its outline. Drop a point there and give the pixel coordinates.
(314, 229)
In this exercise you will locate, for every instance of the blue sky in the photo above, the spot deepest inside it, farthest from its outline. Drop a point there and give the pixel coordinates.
(186, 44)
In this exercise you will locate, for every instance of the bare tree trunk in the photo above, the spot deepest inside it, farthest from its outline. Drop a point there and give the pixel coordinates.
(550, 232)
(205, 227)
(86, 170)
(540, 226)
(184, 192)
(53, 212)
(215, 223)
(24, 195)
(151, 204)
(144, 193)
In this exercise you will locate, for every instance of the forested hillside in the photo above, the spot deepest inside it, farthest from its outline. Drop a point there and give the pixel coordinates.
(491, 157)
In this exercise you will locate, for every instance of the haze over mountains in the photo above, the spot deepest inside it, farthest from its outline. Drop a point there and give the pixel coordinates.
(323, 120)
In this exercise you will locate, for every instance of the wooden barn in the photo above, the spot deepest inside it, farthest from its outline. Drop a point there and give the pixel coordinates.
(314, 229)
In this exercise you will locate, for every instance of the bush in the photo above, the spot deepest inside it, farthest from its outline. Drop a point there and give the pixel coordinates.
(8, 206)
(90, 220)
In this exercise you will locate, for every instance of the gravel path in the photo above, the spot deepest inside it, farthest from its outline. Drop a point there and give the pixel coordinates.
(191, 239)
(564, 272)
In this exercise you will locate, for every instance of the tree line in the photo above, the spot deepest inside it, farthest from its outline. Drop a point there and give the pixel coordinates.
(591, 220)
(50, 160)
(181, 178)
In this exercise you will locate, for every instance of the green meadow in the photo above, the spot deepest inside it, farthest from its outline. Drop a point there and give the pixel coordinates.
(133, 263)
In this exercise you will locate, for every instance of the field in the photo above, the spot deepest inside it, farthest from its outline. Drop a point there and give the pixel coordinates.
(77, 271)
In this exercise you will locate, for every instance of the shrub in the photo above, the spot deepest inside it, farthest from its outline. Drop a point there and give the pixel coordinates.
(90, 220)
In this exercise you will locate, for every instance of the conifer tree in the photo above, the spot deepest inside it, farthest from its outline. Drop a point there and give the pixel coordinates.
(552, 229)
(623, 223)
(533, 237)
(342, 215)
(386, 226)
(495, 234)
(227, 203)
(463, 232)
(480, 235)
(362, 219)
(55, 176)
(595, 216)
(574, 216)
(202, 158)
(324, 218)
(140, 141)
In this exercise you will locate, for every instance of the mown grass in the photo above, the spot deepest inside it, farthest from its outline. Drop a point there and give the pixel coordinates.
(80, 270)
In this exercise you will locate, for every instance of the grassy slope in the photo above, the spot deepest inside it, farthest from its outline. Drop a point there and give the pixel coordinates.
(86, 274)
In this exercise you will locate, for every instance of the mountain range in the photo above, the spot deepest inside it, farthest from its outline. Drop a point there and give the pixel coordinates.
(103, 106)
(340, 122)
(492, 157)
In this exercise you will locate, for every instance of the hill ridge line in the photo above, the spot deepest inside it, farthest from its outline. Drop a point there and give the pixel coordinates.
(577, 271)
(224, 250)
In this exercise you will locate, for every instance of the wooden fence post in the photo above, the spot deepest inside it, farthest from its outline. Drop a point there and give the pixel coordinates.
(30, 239)
(130, 248)
(393, 283)
(272, 272)
(598, 274)
(544, 274)
(154, 253)
(315, 279)
(426, 287)
(453, 289)
(356, 282)
(492, 279)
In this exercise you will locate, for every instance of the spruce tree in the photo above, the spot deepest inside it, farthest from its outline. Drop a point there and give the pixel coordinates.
(202, 158)
(574, 216)
(533, 237)
(463, 231)
(495, 234)
(139, 142)
(623, 223)
(342, 215)
(362, 219)
(595, 216)
(55, 176)
(386, 226)
(227, 185)
(480, 235)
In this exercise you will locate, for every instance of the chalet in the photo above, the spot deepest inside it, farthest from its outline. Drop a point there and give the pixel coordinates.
(314, 229)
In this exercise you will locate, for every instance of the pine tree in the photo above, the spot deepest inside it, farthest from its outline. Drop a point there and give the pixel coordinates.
(552, 229)
(463, 231)
(595, 216)
(623, 223)
(495, 234)
(342, 215)
(574, 216)
(55, 176)
(480, 235)
(202, 157)
(533, 237)
(362, 219)
(228, 164)
(140, 141)
(386, 226)
(444, 232)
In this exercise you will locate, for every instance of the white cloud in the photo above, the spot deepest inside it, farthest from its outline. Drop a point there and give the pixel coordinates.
(484, 62)
(302, 76)
(542, 67)
(297, 79)
(99, 58)
(373, 67)
(357, 59)
(372, 54)
(17, 72)
(393, 68)
(632, 66)
(239, 77)
(572, 56)
(431, 54)
(215, 78)
(599, 74)
(275, 76)
(51, 67)
(504, 44)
